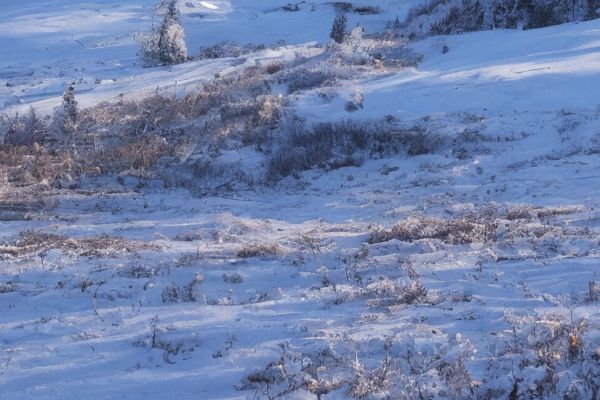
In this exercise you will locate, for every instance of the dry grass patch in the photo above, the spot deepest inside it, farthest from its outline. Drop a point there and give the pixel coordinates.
(260, 250)
(452, 231)
(30, 241)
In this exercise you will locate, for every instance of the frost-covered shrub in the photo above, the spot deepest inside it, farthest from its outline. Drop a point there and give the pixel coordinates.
(227, 49)
(142, 154)
(148, 48)
(172, 294)
(355, 103)
(24, 130)
(386, 292)
(454, 231)
(356, 50)
(306, 79)
(544, 356)
(334, 145)
(219, 50)
(456, 16)
(367, 384)
(420, 366)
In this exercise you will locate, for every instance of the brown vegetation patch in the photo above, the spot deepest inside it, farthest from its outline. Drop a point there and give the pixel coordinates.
(31, 241)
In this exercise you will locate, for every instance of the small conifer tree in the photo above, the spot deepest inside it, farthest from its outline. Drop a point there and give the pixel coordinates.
(338, 30)
(65, 117)
(171, 41)
(69, 105)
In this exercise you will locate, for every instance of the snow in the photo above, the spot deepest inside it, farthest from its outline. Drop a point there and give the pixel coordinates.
(210, 6)
(54, 43)
(488, 73)
(535, 91)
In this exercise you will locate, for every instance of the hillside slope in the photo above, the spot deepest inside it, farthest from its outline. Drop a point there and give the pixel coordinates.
(462, 266)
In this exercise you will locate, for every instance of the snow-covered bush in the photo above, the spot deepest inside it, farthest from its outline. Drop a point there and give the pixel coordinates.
(544, 356)
(386, 292)
(356, 102)
(454, 231)
(419, 366)
(148, 48)
(356, 50)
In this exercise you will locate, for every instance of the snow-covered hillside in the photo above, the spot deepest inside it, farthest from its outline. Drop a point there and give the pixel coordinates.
(46, 44)
(444, 245)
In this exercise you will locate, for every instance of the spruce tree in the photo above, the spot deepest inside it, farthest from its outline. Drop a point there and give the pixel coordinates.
(64, 122)
(338, 30)
(69, 105)
(171, 41)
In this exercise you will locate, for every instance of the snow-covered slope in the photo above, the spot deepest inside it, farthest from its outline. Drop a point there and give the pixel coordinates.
(123, 289)
(488, 73)
(46, 45)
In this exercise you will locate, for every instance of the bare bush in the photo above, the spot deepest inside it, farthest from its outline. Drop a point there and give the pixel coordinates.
(234, 278)
(7, 287)
(25, 130)
(367, 10)
(306, 79)
(139, 155)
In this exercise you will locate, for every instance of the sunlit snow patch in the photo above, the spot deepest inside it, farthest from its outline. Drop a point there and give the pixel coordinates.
(209, 5)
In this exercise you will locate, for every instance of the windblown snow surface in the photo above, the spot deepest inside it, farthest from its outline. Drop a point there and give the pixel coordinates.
(290, 269)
